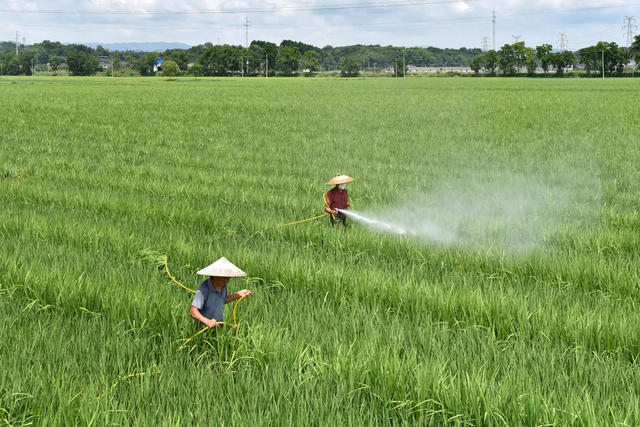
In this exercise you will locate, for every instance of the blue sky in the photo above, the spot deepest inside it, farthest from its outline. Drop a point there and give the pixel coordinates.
(440, 23)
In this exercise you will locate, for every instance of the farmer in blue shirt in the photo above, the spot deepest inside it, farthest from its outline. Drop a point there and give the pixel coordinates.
(211, 296)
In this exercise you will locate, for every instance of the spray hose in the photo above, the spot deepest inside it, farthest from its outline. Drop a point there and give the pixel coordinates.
(324, 196)
(128, 377)
(235, 306)
(235, 323)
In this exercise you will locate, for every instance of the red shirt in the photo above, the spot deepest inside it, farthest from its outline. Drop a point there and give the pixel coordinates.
(337, 198)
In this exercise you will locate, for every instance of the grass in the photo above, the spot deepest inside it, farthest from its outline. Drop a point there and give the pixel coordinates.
(99, 178)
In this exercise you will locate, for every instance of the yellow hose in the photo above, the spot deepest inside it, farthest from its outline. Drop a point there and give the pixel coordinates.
(303, 220)
(235, 323)
(125, 379)
(324, 196)
(166, 267)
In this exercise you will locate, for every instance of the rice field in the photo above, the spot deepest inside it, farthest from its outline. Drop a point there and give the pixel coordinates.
(100, 177)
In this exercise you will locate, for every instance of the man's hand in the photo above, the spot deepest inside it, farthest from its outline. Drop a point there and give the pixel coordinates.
(335, 212)
(244, 293)
(212, 323)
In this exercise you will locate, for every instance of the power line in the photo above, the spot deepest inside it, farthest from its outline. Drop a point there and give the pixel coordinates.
(302, 9)
(387, 4)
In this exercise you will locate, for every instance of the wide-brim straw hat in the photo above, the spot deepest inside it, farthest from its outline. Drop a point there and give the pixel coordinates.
(339, 179)
(222, 268)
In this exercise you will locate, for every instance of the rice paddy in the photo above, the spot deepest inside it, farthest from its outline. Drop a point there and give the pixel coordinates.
(100, 175)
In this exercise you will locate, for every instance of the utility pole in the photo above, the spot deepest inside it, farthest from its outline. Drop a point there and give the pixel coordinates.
(16, 43)
(246, 44)
(494, 29)
(603, 64)
(246, 32)
(266, 66)
(404, 67)
(629, 27)
(562, 39)
(485, 44)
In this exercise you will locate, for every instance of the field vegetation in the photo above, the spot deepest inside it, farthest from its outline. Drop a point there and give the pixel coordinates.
(99, 175)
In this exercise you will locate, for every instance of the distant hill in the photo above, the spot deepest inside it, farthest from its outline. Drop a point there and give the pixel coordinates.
(141, 47)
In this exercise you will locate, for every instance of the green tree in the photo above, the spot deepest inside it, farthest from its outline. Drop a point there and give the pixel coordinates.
(349, 66)
(196, 70)
(145, 64)
(82, 64)
(590, 57)
(268, 54)
(288, 60)
(11, 66)
(542, 54)
(116, 63)
(54, 63)
(491, 61)
(634, 49)
(519, 54)
(271, 53)
(311, 63)
(506, 59)
(476, 63)
(530, 61)
(615, 57)
(220, 60)
(562, 60)
(253, 61)
(399, 67)
(26, 61)
(179, 57)
(170, 69)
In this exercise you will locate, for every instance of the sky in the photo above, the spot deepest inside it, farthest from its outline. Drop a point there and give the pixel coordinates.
(440, 23)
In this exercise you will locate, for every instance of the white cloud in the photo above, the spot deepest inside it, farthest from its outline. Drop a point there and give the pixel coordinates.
(443, 25)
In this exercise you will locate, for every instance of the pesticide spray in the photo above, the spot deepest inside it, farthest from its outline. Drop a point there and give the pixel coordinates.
(512, 213)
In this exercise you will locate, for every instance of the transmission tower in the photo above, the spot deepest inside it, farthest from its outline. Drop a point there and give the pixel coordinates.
(485, 44)
(628, 28)
(516, 39)
(562, 39)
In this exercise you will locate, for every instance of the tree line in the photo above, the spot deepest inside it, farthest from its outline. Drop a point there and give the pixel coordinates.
(513, 59)
(288, 58)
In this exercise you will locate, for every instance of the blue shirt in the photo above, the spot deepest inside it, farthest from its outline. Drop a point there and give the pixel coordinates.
(209, 301)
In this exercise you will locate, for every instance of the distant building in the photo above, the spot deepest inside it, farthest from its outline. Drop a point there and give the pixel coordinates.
(158, 65)
(416, 69)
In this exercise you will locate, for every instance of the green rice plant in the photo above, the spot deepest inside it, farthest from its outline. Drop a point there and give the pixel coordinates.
(347, 326)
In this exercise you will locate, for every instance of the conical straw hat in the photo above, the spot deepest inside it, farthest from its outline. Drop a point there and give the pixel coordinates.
(222, 268)
(339, 179)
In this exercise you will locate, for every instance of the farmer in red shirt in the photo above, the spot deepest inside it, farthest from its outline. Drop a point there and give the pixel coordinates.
(337, 198)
